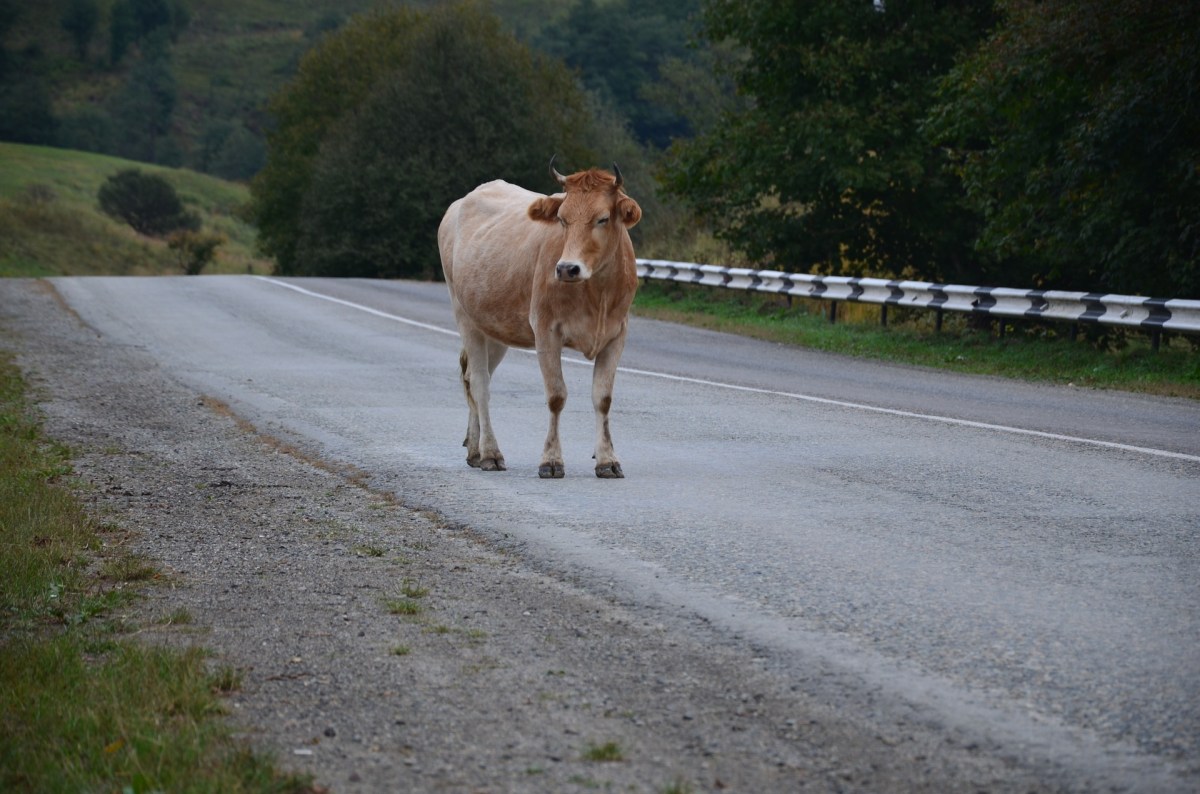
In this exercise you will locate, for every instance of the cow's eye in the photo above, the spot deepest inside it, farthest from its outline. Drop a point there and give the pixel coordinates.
(602, 221)
(562, 223)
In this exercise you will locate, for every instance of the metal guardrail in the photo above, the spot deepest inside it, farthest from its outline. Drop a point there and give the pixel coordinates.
(1151, 314)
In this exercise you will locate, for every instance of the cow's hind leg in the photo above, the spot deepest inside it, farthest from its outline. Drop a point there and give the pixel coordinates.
(471, 442)
(478, 361)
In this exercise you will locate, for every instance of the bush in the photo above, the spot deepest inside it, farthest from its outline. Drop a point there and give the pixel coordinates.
(146, 202)
(193, 250)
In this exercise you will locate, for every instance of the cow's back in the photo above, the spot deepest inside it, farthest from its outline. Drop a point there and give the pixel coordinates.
(490, 250)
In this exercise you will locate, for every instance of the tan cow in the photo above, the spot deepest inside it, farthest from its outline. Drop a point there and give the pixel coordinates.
(547, 272)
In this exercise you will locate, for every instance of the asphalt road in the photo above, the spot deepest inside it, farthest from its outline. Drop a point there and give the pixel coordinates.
(1013, 565)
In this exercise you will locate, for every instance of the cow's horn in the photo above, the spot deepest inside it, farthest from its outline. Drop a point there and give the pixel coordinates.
(620, 179)
(559, 178)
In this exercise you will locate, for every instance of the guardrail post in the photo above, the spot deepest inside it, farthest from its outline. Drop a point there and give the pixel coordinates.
(937, 323)
(833, 311)
(883, 314)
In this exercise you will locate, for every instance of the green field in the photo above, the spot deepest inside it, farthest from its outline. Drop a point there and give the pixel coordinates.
(51, 223)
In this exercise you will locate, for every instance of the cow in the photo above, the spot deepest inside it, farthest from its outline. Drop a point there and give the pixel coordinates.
(546, 272)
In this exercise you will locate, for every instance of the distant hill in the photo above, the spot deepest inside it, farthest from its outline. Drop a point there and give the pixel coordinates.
(224, 60)
(193, 91)
(51, 223)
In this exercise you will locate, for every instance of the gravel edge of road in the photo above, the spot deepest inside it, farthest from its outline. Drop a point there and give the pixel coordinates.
(506, 678)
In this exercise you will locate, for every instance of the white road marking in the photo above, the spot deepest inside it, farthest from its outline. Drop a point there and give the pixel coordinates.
(772, 392)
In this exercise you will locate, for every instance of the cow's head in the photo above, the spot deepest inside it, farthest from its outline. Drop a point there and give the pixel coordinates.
(594, 213)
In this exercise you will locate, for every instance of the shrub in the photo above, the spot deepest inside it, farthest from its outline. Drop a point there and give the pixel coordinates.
(146, 202)
(193, 250)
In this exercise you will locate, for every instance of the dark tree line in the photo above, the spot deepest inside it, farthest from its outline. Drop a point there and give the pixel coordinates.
(133, 42)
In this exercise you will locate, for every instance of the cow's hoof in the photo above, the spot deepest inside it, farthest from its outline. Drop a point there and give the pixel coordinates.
(552, 471)
(610, 471)
(492, 464)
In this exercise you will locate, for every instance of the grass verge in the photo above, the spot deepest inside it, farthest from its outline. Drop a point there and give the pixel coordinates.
(1029, 351)
(86, 707)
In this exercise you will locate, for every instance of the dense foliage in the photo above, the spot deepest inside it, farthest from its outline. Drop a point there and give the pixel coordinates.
(826, 170)
(390, 120)
(1076, 128)
(622, 50)
(1049, 143)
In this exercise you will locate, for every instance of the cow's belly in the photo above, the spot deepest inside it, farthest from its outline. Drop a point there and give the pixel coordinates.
(495, 315)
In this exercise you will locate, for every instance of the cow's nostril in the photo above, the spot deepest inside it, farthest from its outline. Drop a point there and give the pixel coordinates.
(567, 270)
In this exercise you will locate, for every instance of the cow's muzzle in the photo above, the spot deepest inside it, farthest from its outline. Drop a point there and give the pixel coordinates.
(569, 271)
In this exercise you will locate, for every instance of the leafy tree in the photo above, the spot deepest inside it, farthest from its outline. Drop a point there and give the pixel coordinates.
(332, 79)
(1076, 128)
(146, 103)
(241, 155)
(122, 31)
(87, 128)
(619, 48)
(133, 21)
(25, 112)
(392, 118)
(825, 169)
(79, 20)
(147, 202)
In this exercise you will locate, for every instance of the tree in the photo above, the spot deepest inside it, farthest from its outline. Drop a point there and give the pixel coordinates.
(87, 128)
(1076, 129)
(391, 119)
(144, 107)
(826, 169)
(122, 31)
(619, 48)
(331, 80)
(25, 112)
(240, 156)
(79, 20)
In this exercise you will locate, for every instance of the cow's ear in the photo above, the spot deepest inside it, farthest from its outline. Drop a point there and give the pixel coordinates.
(545, 209)
(629, 211)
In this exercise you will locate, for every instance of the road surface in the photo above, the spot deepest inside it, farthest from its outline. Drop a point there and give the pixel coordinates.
(1015, 564)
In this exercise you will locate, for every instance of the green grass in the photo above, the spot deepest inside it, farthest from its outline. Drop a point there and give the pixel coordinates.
(1028, 351)
(51, 223)
(87, 707)
(402, 606)
(609, 751)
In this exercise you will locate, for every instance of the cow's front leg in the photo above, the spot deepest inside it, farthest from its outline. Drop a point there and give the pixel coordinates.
(549, 353)
(605, 372)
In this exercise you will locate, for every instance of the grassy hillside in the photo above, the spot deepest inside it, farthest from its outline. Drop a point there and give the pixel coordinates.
(51, 223)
